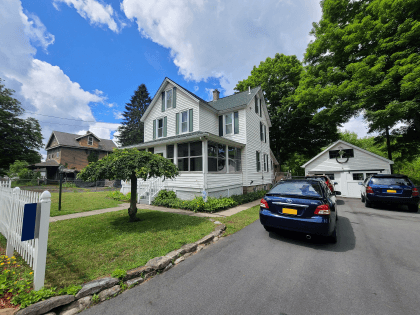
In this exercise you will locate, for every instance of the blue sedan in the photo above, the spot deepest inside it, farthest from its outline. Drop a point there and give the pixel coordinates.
(301, 205)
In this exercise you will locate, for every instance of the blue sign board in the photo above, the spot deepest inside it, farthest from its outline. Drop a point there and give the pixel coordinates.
(204, 193)
(29, 219)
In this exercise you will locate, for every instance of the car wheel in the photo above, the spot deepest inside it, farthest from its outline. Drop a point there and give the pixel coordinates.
(413, 208)
(333, 237)
(362, 198)
(368, 204)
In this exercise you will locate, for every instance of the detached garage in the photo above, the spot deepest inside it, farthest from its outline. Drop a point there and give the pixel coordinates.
(347, 165)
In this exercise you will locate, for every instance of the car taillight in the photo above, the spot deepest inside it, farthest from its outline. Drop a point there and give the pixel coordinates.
(322, 209)
(369, 190)
(415, 192)
(264, 204)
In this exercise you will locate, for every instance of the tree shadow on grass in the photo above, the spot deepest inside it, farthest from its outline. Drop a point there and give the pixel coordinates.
(345, 234)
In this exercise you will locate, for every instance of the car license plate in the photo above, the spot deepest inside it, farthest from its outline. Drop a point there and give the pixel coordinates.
(391, 191)
(289, 211)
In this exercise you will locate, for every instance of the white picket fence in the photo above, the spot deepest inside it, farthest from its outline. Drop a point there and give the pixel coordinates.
(34, 252)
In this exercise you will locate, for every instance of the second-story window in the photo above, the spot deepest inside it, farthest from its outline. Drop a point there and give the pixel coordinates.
(184, 121)
(90, 140)
(228, 123)
(160, 128)
(258, 160)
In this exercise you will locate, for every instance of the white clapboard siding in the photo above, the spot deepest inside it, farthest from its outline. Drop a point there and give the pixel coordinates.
(183, 102)
(225, 180)
(209, 121)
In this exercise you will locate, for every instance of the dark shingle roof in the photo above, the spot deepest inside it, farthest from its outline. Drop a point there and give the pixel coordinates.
(69, 139)
(234, 100)
(47, 163)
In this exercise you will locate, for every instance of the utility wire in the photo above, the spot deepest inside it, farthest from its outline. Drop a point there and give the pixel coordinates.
(61, 117)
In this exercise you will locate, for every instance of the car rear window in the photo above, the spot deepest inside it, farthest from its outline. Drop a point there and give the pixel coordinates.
(390, 181)
(297, 189)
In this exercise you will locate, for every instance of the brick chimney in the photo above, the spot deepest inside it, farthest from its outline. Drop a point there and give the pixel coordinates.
(215, 95)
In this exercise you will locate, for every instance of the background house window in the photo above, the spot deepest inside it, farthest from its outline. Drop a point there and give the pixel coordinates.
(216, 157)
(347, 153)
(168, 98)
(170, 152)
(228, 123)
(184, 121)
(190, 156)
(58, 154)
(90, 140)
(159, 127)
(234, 155)
(258, 161)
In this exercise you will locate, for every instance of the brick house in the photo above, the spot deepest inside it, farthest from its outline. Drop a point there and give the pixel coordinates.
(72, 151)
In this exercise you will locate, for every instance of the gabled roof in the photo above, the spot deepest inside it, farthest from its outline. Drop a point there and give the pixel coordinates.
(235, 100)
(88, 134)
(350, 145)
(70, 140)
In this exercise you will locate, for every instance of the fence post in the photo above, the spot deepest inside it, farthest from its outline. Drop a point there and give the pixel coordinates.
(14, 204)
(41, 255)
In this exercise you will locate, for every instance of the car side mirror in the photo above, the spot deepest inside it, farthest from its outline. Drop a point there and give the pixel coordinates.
(360, 183)
(338, 193)
(335, 183)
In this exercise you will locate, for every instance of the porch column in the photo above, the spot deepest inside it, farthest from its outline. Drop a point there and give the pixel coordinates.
(227, 158)
(205, 162)
(176, 154)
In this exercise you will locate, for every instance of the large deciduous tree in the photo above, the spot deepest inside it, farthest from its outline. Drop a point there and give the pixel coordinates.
(129, 164)
(293, 129)
(19, 138)
(131, 131)
(366, 59)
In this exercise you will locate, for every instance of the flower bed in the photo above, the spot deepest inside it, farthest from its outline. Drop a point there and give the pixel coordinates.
(168, 199)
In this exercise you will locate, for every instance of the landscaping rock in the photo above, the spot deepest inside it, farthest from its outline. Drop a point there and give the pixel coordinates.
(212, 220)
(137, 272)
(220, 227)
(168, 267)
(189, 248)
(149, 275)
(77, 306)
(217, 222)
(206, 239)
(215, 239)
(96, 286)
(159, 262)
(180, 259)
(51, 313)
(187, 255)
(103, 295)
(175, 254)
(134, 281)
(8, 311)
(47, 305)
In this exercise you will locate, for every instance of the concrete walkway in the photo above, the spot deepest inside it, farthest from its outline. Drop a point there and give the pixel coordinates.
(124, 206)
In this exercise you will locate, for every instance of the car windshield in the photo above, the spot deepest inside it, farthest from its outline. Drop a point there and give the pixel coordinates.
(297, 189)
(390, 181)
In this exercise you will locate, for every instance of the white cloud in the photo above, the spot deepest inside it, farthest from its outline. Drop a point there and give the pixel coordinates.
(224, 39)
(196, 87)
(96, 12)
(357, 125)
(118, 114)
(41, 87)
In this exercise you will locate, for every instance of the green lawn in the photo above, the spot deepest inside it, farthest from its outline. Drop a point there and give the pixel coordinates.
(240, 220)
(84, 249)
(74, 202)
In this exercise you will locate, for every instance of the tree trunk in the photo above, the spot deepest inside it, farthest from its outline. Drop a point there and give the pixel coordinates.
(388, 146)
(132, 211)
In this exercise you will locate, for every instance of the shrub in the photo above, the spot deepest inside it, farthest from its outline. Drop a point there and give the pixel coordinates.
(69, 185)
(166, 194)
(119, 273)
(116, 195)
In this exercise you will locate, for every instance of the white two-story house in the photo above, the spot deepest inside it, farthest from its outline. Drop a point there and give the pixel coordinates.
(221, 147)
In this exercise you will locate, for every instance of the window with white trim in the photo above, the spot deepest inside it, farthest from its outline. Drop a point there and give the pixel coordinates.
(58, 154)
(184, 121)
(263, 131)
(265, 162)
(170, 152)
(228, 123)
(90, 140)
(258, 161)
(159, 127)
(234, 155)
(168, 99)
(216, 157)
(190, 157)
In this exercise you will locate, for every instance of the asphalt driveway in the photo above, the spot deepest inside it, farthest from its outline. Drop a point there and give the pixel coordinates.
(373, 269)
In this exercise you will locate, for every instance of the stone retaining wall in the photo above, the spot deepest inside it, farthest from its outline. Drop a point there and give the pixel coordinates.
(106, 288)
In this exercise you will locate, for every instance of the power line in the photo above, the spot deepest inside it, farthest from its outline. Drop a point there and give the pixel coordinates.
(62, 117)
(48, 122)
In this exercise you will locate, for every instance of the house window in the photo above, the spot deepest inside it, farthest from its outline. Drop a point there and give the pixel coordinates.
(258, 162)
(159, 128)
(358, 176)
(347, 153)
(263, 131)
(90, 140)
(184, 121)
(151, 150)
(228, 123)
(256, 105)
(271, 164)
(170, 152)
(330, 176)
(190, 156)
(234, 159)
(216, 157)
(265, 162)
(58, 154)
(168, 99)
(265, 134)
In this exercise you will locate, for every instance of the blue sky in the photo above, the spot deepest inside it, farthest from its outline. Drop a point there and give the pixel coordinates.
(81, 60)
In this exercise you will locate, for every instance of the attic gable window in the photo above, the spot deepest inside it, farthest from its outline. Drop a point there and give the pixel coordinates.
(90, 140)
(346, 153)
(168, 99)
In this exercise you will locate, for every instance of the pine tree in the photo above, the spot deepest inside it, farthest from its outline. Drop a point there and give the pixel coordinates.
(132, 129)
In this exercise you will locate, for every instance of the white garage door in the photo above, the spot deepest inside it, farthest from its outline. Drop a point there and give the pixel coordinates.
(351, 184)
